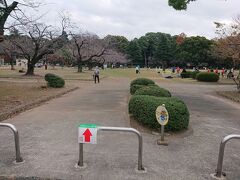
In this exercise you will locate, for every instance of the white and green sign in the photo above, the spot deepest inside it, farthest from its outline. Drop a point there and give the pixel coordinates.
(87, 133)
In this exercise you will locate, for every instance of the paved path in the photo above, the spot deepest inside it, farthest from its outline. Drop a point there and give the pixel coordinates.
(49, 137)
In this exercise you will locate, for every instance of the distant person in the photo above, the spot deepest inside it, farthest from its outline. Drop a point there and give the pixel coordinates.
(216, 71)
(184, 70)
(96, 74)
(230, 74)
(137, 69)
(223, 72)
(178, 70)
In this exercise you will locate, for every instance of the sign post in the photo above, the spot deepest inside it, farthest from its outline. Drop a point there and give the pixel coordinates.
(162, 118)
(87, 134)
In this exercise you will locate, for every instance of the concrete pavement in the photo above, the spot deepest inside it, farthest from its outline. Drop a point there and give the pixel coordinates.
(49, 145)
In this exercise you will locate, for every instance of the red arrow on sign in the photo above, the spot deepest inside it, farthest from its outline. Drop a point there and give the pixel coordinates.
(87, 135)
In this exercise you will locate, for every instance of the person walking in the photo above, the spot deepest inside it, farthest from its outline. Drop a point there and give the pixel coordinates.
(137, 69)
(96, 74)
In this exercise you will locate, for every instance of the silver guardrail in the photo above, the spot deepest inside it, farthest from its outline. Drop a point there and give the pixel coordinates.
(123, 129)
(219, 172)
(16, 139)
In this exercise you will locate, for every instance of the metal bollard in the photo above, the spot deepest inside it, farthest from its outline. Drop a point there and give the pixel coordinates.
(16, 139)
(140, 144)
(219, 172)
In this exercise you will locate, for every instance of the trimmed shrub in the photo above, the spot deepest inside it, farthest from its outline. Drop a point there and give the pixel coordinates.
(142, 81)
(207, 77)
(186, 74)
(54, 80)
(143, 109)
(153, 91)
(194, 74)
(135, 87)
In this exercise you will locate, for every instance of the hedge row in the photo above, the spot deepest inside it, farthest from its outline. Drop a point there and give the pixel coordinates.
(153, 91)
(135, 87)
(194, 74)
(207, 77)
(54, 80)
(189, 74)
(146, 99)
(144, 86)
(201, 76)
(143, 109)
(186, 74)
(142, 81)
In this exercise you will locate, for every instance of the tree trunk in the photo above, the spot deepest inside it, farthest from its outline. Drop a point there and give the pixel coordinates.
(145, 59)
(79, 66)
(12, 65)
(1, 34)
(30, 70)
(13, 58)
(5, 13)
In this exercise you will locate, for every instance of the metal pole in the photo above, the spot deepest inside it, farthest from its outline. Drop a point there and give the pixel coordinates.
(140, 141)
(80, 162)
(162, 132)
(16, 139)
(221, 153)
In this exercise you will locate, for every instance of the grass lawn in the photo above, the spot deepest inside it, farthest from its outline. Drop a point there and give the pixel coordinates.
(160, 77)
(72, 74)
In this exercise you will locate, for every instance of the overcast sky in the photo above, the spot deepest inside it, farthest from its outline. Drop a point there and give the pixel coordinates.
(134, 18)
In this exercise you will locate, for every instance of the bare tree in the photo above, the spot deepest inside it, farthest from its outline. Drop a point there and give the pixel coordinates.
(39, 40)
(9, 50)
(5, 11)
(12, 10)
(87, 49)
(115, 57)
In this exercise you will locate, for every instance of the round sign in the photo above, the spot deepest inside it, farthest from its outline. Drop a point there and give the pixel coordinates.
(162, 115)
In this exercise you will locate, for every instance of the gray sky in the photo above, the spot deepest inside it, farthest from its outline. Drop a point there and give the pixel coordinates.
(134, 18)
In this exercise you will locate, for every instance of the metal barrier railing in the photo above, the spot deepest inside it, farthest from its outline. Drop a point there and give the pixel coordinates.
(219, 172)
(140, 144)
(16, 139)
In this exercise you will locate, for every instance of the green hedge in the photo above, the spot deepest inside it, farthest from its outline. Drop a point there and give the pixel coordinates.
(153, 91)
(143, 109)
(186, 74)
(135, 87)
(142, 81)
(54, 80)
(207, 77)
(194, 74)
